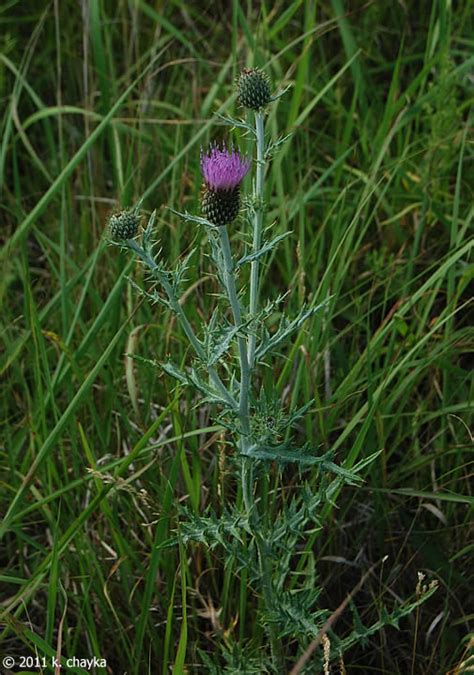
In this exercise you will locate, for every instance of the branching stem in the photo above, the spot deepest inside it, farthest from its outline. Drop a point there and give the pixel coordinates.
(183, 319)
(247, 463)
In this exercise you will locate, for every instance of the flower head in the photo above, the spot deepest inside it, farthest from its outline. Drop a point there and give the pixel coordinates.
(124, 224)
(253, 86)
(223, 170)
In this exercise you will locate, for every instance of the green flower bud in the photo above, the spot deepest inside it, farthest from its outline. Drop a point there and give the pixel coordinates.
(253, 86)
(220, 207)
(124, 224)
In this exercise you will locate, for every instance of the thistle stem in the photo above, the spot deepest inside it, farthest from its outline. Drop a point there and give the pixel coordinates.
(267, 588)
(229, 282)
(257, 229)
(247, 466)
(183, 319)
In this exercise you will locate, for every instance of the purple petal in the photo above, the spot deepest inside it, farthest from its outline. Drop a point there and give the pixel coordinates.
(223, 170)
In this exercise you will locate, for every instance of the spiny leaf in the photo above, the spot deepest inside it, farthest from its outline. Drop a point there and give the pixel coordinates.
(147, 241)
(218, 338)
(299, 413)
(387, 619)
(178, 275)
(232, 122)
(264, 249)
(225, 530)
(285, 329)
(285, 453)
(192, 378)
(290, 524)
(188, 217)
(281, 93)
(274, 146)
(189, 378)
(153, 296)
(294, 613)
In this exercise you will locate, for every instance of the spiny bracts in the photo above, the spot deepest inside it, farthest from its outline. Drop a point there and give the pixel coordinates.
(223, 172)
(253, 87)
(220, 207)
(124, 224)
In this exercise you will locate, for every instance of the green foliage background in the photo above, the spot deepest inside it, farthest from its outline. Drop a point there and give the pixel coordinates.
(103, 102)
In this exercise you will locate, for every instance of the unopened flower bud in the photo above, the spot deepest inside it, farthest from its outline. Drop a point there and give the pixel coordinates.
(253, 87)
(124, 224)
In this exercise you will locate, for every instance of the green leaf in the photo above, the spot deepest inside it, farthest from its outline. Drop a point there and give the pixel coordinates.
(218, 337)
(287, 453)
(266, 248)
(285, 329)
(191, 378)
(147, 242)
(188, 217)
(232, 122)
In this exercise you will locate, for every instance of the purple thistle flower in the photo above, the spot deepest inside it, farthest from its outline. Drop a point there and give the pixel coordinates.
(223, 170)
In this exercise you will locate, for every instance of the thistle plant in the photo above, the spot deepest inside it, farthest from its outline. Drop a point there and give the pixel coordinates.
(230, 351)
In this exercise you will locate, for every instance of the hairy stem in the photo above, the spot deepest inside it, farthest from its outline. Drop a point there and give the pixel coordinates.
(247, 464)
(229, 281)
(183, 319)
(267, 588)
(257, 229)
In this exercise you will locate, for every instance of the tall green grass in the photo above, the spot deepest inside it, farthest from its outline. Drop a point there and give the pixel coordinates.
(105, 102)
